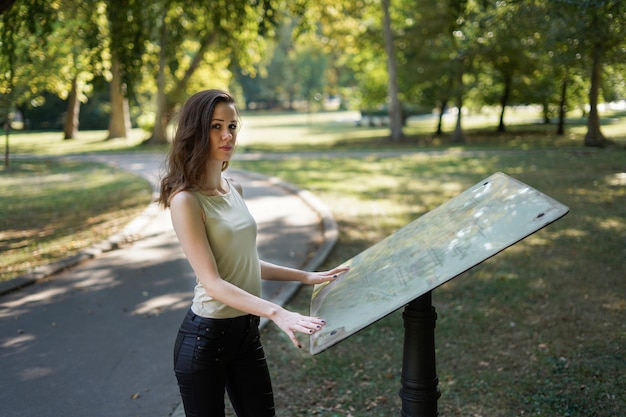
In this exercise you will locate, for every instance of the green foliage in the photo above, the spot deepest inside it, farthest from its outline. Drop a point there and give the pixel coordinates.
(21, 26)
(130, 23)
(452, 52)
(295, 71)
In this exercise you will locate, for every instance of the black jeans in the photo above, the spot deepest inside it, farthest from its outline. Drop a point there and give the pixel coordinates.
(214, 356)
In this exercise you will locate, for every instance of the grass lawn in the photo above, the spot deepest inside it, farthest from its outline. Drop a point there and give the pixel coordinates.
(537, 330)
(54, 208)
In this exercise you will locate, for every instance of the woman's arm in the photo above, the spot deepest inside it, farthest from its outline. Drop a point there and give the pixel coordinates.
(272, 272)
(189, 227)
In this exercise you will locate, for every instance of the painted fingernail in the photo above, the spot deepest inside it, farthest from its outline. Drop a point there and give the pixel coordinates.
(335, 276)
(299, 346)
(311, 331)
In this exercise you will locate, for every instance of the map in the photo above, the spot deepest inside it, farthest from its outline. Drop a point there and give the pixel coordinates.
(438, 246)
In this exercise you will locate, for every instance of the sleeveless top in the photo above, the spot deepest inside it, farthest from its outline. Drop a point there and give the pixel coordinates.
(232, 233)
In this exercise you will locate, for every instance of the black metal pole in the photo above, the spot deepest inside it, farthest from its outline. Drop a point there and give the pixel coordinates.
(419, 392)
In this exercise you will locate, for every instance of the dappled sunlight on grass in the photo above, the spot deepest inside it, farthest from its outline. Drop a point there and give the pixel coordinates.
(283, 131)
(548, 309)
(617, 179)
(54, 208)
(287, 132)
(338, 130)
(571, 233)
(617, 304)
(52, 143)
(613, 224)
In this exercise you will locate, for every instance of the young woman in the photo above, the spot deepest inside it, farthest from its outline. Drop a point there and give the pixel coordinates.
(218, 347)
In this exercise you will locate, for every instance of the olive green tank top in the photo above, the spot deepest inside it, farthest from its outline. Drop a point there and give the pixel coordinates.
(232, 233)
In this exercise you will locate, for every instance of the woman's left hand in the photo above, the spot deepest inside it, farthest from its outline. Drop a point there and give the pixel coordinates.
(324, 276)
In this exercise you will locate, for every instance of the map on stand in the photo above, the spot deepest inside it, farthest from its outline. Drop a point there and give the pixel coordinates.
(438, 246)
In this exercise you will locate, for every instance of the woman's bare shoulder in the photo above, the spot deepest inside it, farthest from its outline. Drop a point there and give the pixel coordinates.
(184, 205)
(183, 199)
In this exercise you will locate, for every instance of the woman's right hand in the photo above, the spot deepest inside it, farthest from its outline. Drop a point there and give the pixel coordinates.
(291, 322)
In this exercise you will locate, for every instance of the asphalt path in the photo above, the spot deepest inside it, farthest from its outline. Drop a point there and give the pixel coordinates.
(96, 340)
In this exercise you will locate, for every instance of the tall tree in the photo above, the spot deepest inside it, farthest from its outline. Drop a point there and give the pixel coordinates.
(73, 56)
(560, 79)
(433, 52)
(507, 40)
(463, 55)
(129, 32)
(193, 35)
(395, 108)
(599, 30)
(22, 25)
(357, 29)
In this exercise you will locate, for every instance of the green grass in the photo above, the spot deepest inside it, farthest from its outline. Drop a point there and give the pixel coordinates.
(537, 330)
(335, 131)
(293, 132)
(53, 144)
(53, 208)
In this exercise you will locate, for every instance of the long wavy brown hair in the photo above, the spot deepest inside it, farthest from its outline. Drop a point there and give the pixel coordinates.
(186, 161)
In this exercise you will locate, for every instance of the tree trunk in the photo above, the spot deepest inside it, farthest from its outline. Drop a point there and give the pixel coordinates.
(5, 121)
(562, 107)
(23, 110)
(504, 101)
(162, 118)
(545, 110)
(395, 109)
(70, 126)
(166, 102)
(119, 120)
(594, 136)
(7, 127)
(458, 136)
(444, 106)
(159, 131)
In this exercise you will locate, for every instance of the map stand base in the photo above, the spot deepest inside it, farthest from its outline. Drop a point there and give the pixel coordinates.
(419, 392)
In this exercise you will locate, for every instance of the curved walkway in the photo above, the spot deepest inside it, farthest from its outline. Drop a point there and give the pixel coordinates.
(96, 339)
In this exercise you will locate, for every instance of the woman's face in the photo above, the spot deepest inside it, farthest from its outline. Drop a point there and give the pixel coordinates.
(223, 132)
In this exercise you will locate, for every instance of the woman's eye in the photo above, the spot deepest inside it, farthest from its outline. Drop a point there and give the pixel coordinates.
(216, 126)
(232, 126)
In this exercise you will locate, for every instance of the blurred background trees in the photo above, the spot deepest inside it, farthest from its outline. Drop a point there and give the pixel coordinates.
(117, 64)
